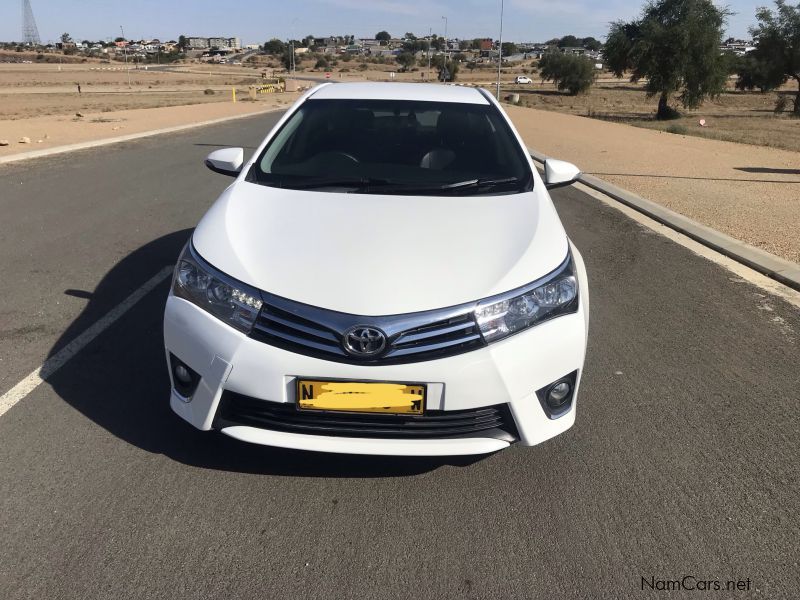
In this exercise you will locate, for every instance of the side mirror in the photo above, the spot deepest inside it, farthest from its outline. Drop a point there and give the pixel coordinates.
(227, 161)
(558, 173)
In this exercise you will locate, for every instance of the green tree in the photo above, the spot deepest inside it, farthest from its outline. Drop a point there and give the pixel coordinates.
(406, 60)
(275, 47)
(753, 72)
(509, 48)
(287, 58)
(408, 36)
(383, 37)
(66, 38)
(448, 69)
(591, 43)
(675, 47)
(183, 43)
(569, 72)
(322, 63)
(569, 41)
(777, 38)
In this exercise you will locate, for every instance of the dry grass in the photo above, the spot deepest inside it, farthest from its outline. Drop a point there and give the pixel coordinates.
(744, 117)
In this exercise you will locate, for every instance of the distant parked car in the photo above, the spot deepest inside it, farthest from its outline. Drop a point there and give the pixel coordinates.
(522, 79)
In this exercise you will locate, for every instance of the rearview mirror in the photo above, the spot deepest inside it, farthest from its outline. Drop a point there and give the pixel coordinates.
(558, 173)
(227, 161)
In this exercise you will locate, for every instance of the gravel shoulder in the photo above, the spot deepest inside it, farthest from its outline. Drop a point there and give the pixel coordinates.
(751, 193)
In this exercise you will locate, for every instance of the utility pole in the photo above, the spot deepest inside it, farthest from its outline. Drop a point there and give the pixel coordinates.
(126, 54)
(430, 37)
(446, 52)
(500, 48)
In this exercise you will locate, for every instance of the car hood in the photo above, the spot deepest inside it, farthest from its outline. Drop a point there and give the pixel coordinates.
(380, 255)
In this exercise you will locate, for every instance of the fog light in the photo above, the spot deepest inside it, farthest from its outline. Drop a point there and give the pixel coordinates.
(184, 378)
(556, 398)
(558, 394)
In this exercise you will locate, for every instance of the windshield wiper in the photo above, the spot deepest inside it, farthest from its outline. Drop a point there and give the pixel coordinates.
(321, 182)
(448, 187)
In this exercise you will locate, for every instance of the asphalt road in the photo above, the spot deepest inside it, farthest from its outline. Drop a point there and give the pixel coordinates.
(683, 461)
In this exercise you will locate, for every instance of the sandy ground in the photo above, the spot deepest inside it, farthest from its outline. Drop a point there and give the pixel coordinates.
(748, 192)
(50, 131)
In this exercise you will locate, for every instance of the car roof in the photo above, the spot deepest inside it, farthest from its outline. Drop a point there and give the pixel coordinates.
(428, 92)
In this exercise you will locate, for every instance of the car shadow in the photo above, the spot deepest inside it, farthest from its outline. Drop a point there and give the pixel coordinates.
(120, 381)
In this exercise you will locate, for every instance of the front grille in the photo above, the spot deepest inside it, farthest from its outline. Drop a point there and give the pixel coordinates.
(492, 421)
(410, 338)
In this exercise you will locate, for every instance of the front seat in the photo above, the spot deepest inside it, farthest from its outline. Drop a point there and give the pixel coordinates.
(450, 128)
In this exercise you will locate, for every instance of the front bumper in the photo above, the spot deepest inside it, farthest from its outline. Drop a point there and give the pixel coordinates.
(505, 373)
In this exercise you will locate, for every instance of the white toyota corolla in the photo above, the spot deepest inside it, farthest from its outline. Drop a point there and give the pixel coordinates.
(386, 275)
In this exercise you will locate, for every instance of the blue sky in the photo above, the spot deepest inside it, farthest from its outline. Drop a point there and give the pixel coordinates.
(257, 20)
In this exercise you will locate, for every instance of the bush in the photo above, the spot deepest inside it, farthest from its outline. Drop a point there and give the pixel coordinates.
(781, 104)
(570, 73)
(209, 92)
(321, 64)
(676, 128)
(363, 66)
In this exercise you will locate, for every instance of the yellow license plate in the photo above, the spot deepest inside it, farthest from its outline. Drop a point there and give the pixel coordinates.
(352, 396)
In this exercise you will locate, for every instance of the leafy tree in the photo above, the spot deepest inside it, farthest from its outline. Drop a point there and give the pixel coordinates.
(464, 45)
(322, 63)
(753, 72)
(569, 72)
(275, 47)
(569, 41)
(183, 43)
(475, 44)
(415, 46)
(408, 36)
(66, 38)
(406, 60)
(509, 48)
(437, 43)
(383, 36)
(287, 58)
(777, 38)
(675, 47)
(591, 43)
(448, 69)
(119, 39)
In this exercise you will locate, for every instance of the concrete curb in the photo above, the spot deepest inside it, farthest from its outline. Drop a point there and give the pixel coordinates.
(124, 138)
(779, 269)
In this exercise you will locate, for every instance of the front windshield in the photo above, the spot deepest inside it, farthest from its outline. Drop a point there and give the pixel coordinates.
(395, 147)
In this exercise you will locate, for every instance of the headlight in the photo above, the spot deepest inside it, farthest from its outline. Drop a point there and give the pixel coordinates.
(227, 299)
(552, 296)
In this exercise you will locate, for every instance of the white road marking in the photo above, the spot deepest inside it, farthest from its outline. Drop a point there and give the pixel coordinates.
(742, 271)
(60, 358)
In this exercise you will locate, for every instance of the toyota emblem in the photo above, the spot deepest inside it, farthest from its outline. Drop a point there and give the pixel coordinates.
(364, 341)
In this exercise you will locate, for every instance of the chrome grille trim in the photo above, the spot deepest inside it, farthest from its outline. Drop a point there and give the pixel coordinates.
(412, 337)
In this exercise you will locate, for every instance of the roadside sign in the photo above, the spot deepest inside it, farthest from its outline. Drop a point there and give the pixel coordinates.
(327, 75)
